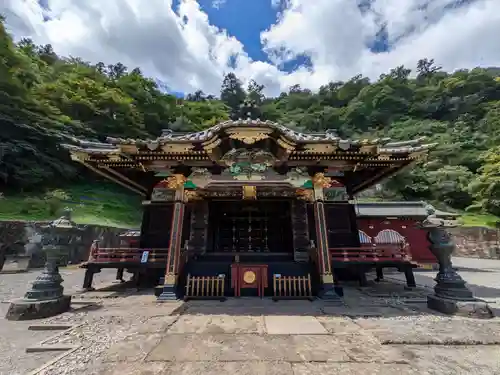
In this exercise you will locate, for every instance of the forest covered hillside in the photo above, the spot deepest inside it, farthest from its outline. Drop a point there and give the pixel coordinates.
(44, 96)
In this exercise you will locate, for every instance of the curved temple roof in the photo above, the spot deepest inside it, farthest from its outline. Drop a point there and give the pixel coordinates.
(383, 145)
(363, 163)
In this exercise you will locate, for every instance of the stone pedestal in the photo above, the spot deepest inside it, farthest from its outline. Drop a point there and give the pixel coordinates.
(331, 292)
(168, 293)
(168, 289)
(27, 310)
(45, 297)
(473, 308)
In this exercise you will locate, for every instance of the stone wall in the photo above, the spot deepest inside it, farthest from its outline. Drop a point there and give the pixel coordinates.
(477, 242)
(23, 239)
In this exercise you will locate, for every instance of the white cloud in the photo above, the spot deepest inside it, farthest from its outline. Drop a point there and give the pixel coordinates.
(184, 50)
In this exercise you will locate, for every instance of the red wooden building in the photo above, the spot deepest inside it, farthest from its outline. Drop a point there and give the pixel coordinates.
(396, 222)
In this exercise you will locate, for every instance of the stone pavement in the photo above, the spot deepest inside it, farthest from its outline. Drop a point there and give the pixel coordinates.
(482, 277)
(382, 329)
(15, 336)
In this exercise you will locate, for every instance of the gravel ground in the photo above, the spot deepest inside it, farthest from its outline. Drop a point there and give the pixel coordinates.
(15, 336)
(379, 330)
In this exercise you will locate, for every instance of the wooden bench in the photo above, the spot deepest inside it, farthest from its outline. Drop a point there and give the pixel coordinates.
(378, 256)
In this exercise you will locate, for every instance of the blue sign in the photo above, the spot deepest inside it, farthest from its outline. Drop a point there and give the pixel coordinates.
(145, 255)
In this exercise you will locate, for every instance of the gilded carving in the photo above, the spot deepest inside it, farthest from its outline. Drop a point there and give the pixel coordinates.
(248, 164)
(192, 195)
(321, 181)
(177, 148)
(305, 194)
(371, 149)
(249, 277)
(249, 192)
(286, 145)
(209, 146)
(320, 148)
(249, 136)
(176, 181)
(128, 149)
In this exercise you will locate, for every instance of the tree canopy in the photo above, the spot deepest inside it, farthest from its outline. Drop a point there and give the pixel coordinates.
(44, 95)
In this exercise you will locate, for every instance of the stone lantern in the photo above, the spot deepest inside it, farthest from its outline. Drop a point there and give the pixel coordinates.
(451, 294)
(45, 298)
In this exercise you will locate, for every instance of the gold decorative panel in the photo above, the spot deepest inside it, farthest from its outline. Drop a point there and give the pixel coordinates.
(248, 136)
(249, 277)
(249, 192)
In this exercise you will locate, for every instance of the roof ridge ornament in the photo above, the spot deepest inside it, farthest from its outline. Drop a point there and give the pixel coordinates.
(249, 110)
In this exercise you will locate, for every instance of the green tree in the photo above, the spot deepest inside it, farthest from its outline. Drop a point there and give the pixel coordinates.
(486, 187)
(232, 93)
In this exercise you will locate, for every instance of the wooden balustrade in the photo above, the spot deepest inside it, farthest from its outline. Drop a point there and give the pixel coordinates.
(204, 287)
(292, 287)
(372, 253)
(114, 255)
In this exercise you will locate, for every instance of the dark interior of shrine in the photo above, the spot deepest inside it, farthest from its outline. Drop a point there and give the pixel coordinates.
(262, 227)
(263, 231)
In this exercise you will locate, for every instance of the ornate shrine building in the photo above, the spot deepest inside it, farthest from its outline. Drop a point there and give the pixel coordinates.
(249, 207)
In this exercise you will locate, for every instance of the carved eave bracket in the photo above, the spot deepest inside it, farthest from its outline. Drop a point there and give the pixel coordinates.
(287, 147)
(211, 148)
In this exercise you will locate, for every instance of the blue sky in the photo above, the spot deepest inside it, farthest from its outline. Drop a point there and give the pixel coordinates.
(247, 19)
(312, 42)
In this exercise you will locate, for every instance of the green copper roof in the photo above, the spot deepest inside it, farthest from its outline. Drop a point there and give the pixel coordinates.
(308, 185)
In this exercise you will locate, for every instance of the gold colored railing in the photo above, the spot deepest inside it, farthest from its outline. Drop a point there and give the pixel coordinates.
(204, 287)
(292, 287)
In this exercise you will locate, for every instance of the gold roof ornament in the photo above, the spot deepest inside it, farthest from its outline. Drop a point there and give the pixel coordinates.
(320, 180)
(176, 181)
(249, 136)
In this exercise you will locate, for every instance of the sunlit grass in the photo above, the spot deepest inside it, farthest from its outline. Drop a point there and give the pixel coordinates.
(99, 204)
(478, 220)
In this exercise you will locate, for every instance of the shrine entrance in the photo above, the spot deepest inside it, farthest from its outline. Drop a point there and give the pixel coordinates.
(250, 227)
